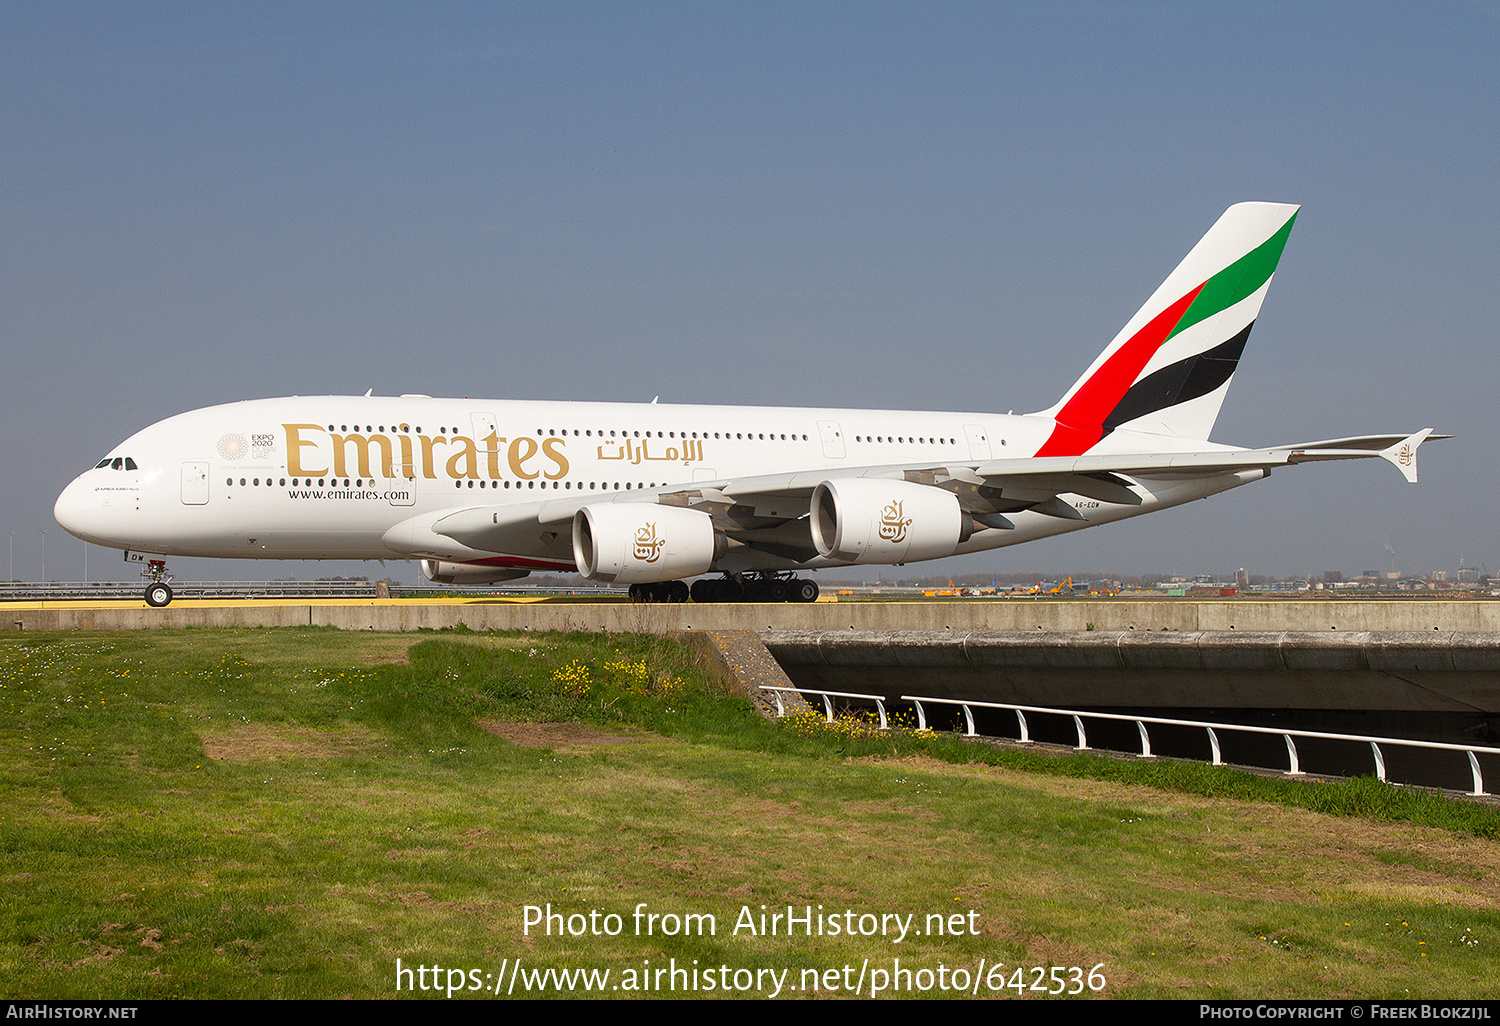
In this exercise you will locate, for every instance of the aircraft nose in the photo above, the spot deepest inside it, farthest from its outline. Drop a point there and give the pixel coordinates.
(78, 510)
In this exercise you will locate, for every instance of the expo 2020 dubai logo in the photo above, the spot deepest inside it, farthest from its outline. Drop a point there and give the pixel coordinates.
(233, 446)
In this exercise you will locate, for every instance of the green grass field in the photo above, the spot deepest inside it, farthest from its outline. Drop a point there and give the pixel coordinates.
(286, 813)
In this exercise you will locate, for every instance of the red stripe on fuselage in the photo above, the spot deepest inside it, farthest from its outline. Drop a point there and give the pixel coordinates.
(1080, 423)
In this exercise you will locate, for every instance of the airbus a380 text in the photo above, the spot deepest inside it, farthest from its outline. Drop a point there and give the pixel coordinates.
(649, 495)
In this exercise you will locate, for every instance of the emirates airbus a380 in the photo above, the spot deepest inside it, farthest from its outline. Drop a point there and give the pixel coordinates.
(483, 491)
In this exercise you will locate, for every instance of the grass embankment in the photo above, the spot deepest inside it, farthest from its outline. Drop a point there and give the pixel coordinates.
(286, 813)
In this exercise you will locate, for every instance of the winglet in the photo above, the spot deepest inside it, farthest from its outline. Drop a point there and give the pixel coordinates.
(1403, 455)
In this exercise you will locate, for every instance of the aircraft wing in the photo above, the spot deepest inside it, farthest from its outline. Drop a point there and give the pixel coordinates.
(1398, 450)
(764, 511)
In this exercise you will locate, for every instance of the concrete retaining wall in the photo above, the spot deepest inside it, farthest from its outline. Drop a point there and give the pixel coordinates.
(1456, 672)
(965, 616)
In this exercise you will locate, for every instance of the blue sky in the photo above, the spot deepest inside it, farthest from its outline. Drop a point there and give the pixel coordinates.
(890, 205)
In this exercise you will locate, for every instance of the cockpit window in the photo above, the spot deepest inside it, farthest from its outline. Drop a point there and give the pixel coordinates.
(102, 464)
(117, 464)
(130, 464)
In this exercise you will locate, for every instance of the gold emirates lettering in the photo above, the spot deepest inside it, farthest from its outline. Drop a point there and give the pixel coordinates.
(310, 450)
(362, 449)
(294, 444)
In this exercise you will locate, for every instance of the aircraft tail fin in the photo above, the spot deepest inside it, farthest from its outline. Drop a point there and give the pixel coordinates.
(1168, 369)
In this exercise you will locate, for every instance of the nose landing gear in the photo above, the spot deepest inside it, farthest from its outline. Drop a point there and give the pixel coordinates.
(158, 592)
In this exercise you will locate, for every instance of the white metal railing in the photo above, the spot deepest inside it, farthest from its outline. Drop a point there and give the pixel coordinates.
(879, 701)
(1294, 767)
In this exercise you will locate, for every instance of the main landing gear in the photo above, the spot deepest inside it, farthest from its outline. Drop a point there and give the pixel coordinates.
(664, 591)
(740, 588)
(158, 592)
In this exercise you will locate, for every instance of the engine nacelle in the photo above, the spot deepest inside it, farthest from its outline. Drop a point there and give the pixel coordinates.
(440, 571)
(639, 543)
(868, 520)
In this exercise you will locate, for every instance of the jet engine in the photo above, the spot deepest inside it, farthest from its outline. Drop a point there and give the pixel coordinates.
(440, 571)
(868, 520)
(638, 543)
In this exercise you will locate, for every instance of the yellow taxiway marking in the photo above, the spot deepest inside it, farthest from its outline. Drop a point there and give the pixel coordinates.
(220, 603)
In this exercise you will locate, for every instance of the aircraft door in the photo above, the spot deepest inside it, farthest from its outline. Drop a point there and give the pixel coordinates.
(979, 441)
(194, 483)
(833, 439)
(401, 488)
(402, 491)
(484, 426)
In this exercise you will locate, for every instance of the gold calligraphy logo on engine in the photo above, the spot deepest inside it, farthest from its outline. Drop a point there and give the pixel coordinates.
(892, 525)
(647, 544)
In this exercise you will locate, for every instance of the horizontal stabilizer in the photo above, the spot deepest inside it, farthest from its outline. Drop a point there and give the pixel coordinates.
(1403, 455)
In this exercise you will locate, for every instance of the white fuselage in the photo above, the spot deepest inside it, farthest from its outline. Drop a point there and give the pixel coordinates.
(331, 477)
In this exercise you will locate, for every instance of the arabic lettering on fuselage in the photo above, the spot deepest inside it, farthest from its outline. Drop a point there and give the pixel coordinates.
(313, 451)
(637, 452)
